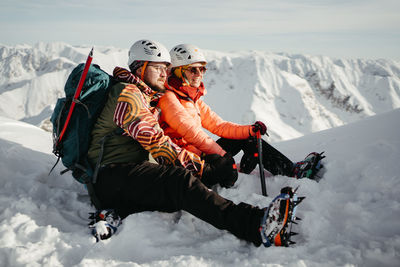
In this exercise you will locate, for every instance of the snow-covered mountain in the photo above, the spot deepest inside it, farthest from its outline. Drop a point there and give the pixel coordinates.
(293, 94)
(350, 218)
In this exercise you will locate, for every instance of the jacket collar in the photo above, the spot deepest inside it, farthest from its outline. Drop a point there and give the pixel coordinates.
(124, 75)
(183, 89)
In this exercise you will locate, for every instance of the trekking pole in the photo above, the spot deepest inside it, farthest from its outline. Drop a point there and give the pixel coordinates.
(260, 164)
(76, 95)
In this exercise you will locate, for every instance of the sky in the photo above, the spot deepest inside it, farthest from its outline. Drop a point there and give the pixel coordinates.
(336, 28)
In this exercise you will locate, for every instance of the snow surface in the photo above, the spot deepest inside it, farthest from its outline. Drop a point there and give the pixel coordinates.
(350, 218)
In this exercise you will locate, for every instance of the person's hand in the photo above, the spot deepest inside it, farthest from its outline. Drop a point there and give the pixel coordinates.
(259, 126)
(220, 170)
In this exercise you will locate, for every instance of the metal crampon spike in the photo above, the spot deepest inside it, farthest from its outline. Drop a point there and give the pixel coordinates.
(298, 201)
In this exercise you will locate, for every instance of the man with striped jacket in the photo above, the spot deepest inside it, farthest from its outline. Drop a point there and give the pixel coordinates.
(128, 182)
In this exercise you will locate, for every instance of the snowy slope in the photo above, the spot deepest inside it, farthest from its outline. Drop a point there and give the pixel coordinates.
(350, 218)
(293, 94)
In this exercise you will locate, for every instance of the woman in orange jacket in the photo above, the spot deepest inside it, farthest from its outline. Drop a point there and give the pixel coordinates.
(184, 115)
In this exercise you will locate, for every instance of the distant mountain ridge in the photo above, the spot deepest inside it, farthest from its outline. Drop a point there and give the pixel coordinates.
(293, 94)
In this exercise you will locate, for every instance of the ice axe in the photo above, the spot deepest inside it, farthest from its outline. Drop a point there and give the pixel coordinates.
(75, 99)
(260, 164)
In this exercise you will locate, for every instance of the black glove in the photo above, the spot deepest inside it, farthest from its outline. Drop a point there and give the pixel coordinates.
(259, 126)
(220, 170)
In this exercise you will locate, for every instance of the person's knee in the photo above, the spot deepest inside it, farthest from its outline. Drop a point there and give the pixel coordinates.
(250, 146)
(231, 145)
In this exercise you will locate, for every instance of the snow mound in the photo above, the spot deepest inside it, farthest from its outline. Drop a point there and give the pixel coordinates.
(349, 218)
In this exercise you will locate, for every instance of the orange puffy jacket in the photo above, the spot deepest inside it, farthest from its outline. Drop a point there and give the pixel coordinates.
(183, 115)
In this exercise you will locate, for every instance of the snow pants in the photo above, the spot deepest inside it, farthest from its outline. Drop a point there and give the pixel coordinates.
(273, 160)
(132, 188)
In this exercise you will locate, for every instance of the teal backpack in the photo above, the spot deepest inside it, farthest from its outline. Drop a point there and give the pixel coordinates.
(73, 147)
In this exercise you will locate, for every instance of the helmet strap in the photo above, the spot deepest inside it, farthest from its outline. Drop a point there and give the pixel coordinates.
(178, 72)
(143, 70)
(184, 78)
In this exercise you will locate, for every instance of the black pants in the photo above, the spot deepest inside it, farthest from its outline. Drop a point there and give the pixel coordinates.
(132, 188)
(273, 160)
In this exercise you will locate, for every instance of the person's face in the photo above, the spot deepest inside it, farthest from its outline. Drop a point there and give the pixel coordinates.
(194, 73)
(155, 75)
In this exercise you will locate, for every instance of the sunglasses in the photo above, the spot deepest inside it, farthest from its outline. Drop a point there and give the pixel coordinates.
(194, 70)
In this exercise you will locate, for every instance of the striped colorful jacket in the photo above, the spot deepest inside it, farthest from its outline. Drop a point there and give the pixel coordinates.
(132, 107)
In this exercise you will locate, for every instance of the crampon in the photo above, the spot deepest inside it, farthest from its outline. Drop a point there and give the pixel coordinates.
(276, 225)
(309, 167)
(103, 224)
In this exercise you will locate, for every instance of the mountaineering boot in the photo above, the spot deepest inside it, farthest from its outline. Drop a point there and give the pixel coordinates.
(309, 167)
(276, 224)
(104, 224)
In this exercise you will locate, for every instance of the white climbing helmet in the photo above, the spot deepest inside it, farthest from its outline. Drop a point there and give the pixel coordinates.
(147, 50)
(185, 54)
